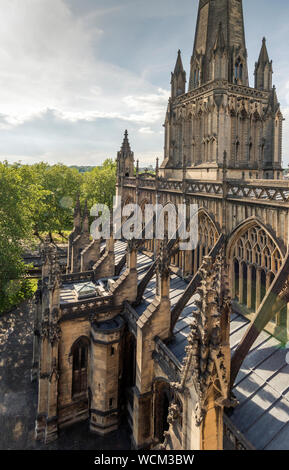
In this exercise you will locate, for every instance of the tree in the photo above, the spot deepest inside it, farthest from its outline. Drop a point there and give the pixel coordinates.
(60, 185)
(99, 184)
(18, 196)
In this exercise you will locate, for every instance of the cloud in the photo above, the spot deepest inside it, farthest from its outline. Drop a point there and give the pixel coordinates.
(146, 130)
(74, 74)
(51, 61)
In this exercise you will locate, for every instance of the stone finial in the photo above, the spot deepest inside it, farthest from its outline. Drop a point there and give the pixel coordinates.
(206, 352)
(77, 209)
(157, 167)
(164, 258)
(178, 80)
(179, 64)
(86, 218)
(263, 69)
(125, 148)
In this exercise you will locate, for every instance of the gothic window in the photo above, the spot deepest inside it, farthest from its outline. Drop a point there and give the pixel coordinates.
(208, 236)
(250, 151)
(257, 259)
(240, 249)
(277, 261)
(238, 75)
(241, 71)
(237, 149)
(249, 256)
(79, 353)
(267, 259)
(196, 77)
(258, 255)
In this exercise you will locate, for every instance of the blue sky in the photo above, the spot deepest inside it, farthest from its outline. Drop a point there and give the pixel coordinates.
(74, 74)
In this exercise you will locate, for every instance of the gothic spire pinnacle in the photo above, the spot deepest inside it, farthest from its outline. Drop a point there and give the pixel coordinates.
(263, 57)
(125, 159)
(179, 80)
(210, 34)
(125, 148)
(179, 64)
(263, 69)
(77, 208)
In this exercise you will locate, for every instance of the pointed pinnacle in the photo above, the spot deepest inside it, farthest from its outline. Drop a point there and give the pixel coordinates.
(179, 64)
(77, 209)
(263, 57)
(125, 148)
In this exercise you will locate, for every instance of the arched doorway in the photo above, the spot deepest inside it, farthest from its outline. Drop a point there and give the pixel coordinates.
(79, 352)
(163, 397)
(128, 377)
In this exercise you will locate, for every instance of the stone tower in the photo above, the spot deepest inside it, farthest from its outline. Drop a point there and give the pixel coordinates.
(220, 29)
(263, 70)
(125, 159)
(178, 81)
(220, 114)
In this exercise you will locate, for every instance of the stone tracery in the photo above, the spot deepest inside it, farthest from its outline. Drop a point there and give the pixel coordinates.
(255, 260)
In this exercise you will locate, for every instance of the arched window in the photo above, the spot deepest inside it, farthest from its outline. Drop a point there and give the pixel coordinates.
(208, 236)
(196, 77)
(241, 71)
(163, 397)
(238, 71)
(259, 259)
(79, 353)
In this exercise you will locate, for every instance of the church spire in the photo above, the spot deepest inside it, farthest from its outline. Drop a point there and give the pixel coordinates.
(230, 36)
(77, 214)
(179, 64)
(263, 69)
(125, 148)
(178, 81)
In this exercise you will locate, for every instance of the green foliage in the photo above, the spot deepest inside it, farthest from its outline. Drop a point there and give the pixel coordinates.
(17, 291)
(61, 185)
(40, 199)
(99, 184)
(18, 196)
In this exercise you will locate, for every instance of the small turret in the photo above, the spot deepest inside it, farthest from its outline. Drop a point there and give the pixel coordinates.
(178, 81)
(85, 225)
(263, 70)
(125, 159)
(77, 215)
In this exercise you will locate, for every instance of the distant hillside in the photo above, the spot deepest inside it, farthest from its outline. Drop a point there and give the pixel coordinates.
(82, 169)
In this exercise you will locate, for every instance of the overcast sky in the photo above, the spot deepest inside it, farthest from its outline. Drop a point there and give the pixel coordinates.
(74, 74)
